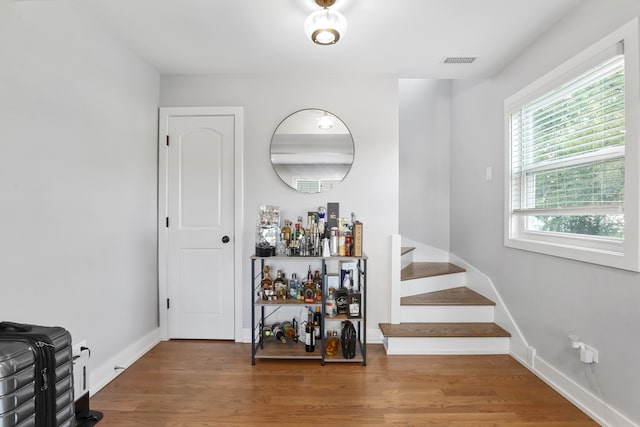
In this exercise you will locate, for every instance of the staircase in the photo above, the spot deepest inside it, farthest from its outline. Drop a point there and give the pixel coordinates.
(439, 315)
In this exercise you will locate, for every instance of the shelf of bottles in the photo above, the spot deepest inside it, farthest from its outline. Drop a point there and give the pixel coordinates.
(326, 302)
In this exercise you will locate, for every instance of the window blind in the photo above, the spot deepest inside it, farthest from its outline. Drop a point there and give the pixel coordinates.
(568, 146)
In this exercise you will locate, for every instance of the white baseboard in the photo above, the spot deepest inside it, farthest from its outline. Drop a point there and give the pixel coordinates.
(104, 374)
(245, 337)
(584, 399)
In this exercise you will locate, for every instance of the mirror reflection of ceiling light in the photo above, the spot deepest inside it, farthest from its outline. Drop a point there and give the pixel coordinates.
(325, 26)
(325, 121)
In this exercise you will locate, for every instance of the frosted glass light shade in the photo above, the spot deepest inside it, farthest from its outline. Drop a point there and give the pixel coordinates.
(325, 26)
(325, 121)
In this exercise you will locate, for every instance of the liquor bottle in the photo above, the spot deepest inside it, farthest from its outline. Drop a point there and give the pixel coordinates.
(294, 287)
(354, 298)
(277, 332)
(321, 221)
(348, 280)
(317, 282)
(266, 331)
(330, 304)
(309, 334)
(281, 246)
(289, 330)
(286, 231)
(279, 287)
(266, 285)
(348, 244)
(299, 229)
(316, 322)
(333, 241)
(309, 288)
(333, 343)
(342, 294)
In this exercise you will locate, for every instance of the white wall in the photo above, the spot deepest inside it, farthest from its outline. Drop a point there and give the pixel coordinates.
(78, 157)
(368, 104)
(424, 161)
(549, 297)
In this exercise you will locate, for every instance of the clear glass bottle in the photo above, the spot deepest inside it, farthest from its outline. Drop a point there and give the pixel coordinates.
(286, 232)
(317, 282)
(331, 308)
(266, 332)
(289, 330)
(281, 246)
(294, 287)
(309, 290)
(279, 287)
(276, 330)
(267, 285)
(333, 343)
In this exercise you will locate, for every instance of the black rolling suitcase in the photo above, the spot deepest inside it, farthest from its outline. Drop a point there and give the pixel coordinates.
(36, 376)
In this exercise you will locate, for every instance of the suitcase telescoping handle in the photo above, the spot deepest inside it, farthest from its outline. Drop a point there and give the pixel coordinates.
(14, 327)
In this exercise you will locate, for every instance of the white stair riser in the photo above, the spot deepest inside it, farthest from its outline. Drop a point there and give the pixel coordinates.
(429, 345)
(406, 260)
(431, 284)
(430, 313)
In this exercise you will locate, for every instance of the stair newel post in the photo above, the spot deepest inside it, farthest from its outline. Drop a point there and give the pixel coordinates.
(396, 268)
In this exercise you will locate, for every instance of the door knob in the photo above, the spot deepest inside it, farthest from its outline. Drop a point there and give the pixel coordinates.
(225, 239)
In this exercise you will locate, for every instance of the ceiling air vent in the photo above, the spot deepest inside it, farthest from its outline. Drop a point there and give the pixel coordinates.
(459, 59)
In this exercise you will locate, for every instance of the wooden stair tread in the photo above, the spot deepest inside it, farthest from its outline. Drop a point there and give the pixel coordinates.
(419, 270)
(453, 296)
(443, 330)
(406, 250)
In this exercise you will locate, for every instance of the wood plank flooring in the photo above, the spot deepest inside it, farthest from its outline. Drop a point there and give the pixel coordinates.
(212, 383)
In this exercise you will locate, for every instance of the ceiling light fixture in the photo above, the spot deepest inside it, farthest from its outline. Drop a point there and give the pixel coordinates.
(325, 26)
(325, 121)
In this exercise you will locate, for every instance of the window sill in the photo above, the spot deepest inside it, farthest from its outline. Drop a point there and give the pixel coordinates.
(620, 259)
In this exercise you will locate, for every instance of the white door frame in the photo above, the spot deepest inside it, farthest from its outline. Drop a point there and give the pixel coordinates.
(163, 131)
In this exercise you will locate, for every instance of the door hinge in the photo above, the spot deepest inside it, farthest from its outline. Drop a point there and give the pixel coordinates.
(167, 140)
(167, 222)
(168, 304)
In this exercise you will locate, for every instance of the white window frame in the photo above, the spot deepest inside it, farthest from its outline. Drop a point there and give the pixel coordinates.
(618, 253)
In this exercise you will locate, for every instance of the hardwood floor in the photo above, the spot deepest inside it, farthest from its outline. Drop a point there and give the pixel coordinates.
(212, 383)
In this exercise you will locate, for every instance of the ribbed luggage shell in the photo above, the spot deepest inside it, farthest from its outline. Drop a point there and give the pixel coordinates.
(17, 384)
(17, 380)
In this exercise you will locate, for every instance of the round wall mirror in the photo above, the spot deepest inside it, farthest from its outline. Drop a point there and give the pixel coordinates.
(312, 150)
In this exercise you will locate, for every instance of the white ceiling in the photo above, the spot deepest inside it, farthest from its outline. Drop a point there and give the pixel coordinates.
(409, 38)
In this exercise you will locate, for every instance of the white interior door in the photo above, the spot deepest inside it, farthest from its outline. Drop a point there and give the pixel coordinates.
(200, 206)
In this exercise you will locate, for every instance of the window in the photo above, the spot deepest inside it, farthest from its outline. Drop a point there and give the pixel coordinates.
(572, 151)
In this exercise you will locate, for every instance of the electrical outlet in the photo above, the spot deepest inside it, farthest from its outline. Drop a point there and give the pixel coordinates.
(76, 347)
(588, 354)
